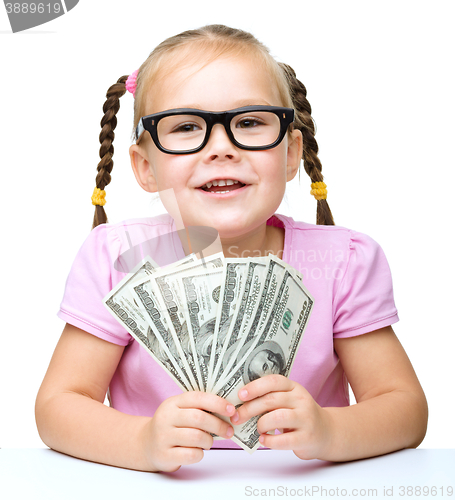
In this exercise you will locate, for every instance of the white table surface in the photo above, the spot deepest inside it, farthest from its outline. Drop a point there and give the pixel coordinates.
(37, 474)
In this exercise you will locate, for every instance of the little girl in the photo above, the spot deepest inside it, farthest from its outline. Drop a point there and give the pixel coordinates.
(222, 124)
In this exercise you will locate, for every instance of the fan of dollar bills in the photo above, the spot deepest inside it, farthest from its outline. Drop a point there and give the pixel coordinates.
(216, 323)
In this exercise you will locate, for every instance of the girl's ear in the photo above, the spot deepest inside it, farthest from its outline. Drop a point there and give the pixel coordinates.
(294, 155)
(142, 169)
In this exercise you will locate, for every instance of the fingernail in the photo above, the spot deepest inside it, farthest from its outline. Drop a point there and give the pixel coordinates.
(235, 417)
(230, 408)
(261, 439)
(243, 394)
(230, 432)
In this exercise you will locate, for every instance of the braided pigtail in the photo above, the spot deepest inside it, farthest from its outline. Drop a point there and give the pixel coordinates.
(108, 124)
(311, 161)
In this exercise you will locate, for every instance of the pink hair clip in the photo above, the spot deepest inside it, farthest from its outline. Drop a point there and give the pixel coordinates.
(130, 83)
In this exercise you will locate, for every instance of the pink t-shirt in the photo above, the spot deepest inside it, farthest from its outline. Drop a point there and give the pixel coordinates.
(345, 271)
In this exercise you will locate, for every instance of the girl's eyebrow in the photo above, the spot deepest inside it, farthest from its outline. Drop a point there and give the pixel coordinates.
(252, 102)
(237, 104)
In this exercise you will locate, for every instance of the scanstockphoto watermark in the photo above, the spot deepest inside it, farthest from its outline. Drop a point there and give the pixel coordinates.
(318, 491)
(27, 14)
(310, 491)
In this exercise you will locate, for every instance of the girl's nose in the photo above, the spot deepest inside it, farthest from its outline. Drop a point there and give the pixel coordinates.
(219, 145)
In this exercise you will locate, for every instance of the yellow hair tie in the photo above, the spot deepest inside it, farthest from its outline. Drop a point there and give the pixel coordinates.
(319, 190)
(99, 197)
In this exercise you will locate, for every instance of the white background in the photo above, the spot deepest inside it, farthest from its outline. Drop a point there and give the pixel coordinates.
(381, 83)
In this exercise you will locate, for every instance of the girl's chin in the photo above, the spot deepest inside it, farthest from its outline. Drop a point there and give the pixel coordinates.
(230, 223)
(234, 230)
(225, 231)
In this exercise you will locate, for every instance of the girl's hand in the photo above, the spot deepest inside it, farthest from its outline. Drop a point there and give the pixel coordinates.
(305, 426)
(179, 430)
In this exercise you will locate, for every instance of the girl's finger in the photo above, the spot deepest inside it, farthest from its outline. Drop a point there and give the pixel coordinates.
(193, 438)
(264, 385)
(193, 418)
(182, 455)
(258, 406)
(278, 441)
(282, 418)
(205, 401)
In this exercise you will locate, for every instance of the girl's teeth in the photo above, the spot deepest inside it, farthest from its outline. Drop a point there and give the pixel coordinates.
(221, 182)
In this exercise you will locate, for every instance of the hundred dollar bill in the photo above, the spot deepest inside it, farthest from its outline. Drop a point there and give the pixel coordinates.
(202, 295)
(273, 351)
(157, 318)
(254, 280)
(231, 290)
(255, 318)
(166, 284)
(254, 324)
(154, 309)
(185, 260)
(121, 304)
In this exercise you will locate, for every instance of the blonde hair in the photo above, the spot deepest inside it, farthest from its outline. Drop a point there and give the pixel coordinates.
(185, 50)
(200, 47)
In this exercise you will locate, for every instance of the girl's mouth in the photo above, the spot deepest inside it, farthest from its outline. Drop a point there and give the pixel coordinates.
(222, 186)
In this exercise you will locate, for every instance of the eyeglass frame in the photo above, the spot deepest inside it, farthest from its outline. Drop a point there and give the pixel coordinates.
(211, 118)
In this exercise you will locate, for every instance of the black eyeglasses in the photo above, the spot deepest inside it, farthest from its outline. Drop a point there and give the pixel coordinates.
(187, 130)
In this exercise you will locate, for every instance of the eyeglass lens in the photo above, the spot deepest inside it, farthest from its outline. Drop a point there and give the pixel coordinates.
(186, 132)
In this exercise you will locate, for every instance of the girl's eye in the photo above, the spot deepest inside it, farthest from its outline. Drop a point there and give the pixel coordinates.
(186, 127)
(249, 123)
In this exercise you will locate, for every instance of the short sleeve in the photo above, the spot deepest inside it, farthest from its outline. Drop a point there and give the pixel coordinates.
(91, 278)
(364, 300)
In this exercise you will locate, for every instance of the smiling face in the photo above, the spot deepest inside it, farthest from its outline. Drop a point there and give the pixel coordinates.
(232, 190)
